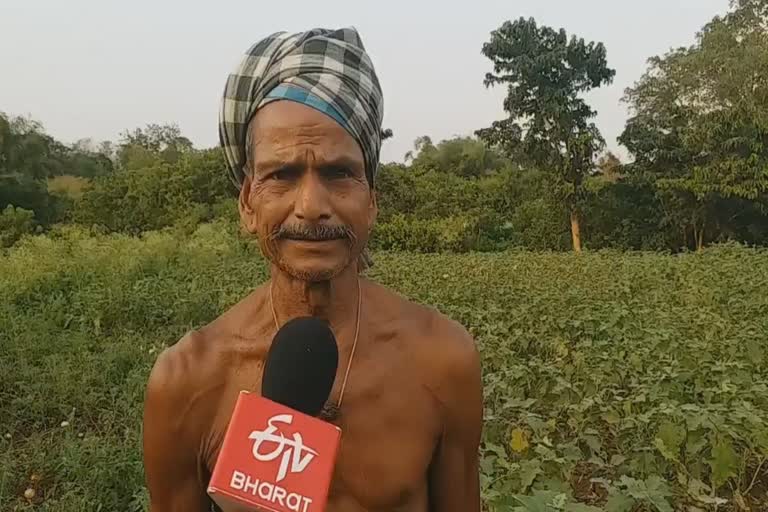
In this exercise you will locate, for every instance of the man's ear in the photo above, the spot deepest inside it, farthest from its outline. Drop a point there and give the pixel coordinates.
(247, 213)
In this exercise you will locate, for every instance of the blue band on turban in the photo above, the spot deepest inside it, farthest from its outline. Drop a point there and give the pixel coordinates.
(299, 95)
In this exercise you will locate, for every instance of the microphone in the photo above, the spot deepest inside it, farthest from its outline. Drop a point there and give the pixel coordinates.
(277, 456)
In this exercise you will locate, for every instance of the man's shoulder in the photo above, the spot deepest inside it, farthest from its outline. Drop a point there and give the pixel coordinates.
(177, 368)
(429, 326)
(199, 349)
(454, 356)
(448, 361)
(443, 346)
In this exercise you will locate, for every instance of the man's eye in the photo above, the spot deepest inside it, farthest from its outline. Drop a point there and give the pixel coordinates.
(339, 172)
(282, 174)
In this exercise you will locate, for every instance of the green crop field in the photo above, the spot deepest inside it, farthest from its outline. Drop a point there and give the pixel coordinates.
(618, 382)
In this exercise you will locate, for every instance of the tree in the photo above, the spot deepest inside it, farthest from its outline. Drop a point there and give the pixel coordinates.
(152, 145)
(26, 151)
(699, 127)
(548, 124)
(422, 145)
(156, 196)
(463, 156)
(609, 167)
(14, 223)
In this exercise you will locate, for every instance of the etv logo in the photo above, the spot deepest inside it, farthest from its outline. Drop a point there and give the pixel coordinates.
(293, 451)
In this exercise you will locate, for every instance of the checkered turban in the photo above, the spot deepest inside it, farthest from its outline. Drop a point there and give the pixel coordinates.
(326, 69)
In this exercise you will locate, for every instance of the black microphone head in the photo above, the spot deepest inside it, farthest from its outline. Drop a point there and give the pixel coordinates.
(301, 365)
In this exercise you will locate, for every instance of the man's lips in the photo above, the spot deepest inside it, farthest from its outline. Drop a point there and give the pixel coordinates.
(311, 240)
(308, 242)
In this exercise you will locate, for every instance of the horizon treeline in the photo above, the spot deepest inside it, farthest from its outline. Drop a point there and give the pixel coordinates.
(539, 179)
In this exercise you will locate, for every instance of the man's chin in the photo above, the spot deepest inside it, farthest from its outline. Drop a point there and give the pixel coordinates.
(312, 273)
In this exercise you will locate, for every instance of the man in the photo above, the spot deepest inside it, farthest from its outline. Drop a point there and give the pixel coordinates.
(301, 129)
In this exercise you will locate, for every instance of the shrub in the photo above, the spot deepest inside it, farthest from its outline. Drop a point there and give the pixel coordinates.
(460, 233)
(632, 381)
(14, 224)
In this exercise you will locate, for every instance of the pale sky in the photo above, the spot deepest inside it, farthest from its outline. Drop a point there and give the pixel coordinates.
(93, 68)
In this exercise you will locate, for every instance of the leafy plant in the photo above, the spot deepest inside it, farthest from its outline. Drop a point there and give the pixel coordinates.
(621, 382)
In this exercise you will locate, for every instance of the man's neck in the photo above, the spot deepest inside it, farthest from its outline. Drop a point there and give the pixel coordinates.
(335, 300)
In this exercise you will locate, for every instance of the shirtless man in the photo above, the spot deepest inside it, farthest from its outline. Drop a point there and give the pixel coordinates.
(411, 413)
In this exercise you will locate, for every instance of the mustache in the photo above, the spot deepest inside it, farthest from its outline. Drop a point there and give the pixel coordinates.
(312, 232)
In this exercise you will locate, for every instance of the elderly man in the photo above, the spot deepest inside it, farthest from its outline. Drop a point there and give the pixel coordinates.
(301, 130)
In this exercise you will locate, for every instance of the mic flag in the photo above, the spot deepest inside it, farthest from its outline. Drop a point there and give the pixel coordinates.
(274, 458)
(276, 455)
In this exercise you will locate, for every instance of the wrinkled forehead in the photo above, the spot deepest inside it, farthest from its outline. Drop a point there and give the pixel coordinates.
(288, 130)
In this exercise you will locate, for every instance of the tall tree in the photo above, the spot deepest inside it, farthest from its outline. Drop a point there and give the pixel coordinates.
(26, 151)
(463, 156)
(700, 121)
(151, 145)
(609, 167)
(421, 146)
(548, 123)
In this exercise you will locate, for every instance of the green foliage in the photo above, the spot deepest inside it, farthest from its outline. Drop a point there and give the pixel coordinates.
(29, 157)
(151, 145)
(15, 223)
(443, 234)
(548, 124)
(148, 198)
(24, 192)
(652, 491)
(545, 72)
(626, 214)
(616, 382)
(426, 194)
(539, 225)
(506, 208)
(698, 134)
(27, 152)
(463, 156)
(700, 120)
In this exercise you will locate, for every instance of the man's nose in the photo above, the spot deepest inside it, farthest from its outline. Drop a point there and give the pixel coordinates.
(312, 199)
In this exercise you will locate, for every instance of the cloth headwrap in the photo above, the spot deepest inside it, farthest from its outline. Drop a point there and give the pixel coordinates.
(326, 69)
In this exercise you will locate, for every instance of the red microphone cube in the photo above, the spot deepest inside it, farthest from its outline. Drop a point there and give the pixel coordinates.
(274, 458)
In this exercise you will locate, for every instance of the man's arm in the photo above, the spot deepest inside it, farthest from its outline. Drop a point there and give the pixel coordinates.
(454, 484)
(170, 457)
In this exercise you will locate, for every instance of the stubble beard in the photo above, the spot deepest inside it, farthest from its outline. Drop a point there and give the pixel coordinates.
(272, 254)
(270, 251)
(308, 275)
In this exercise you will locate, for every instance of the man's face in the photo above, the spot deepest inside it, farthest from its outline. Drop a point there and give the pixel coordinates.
(307, 197)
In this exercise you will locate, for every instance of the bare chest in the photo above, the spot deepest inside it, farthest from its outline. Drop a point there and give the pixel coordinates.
(390, 426)
(388, 437)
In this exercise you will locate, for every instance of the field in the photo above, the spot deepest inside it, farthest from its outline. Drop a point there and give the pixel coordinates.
(617, 382)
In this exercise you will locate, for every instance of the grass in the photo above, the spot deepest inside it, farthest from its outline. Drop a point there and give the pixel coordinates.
(617, 382)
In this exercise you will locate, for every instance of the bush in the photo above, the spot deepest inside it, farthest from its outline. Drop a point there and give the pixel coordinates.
(460, 233)
(625, 215)
(149, 198)
(434, 211)
(624, 381)
(540, 225)
(14, 224)
(424, 195)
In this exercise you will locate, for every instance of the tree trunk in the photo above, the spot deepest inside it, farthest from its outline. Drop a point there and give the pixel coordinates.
(700, 239)
(698, 233)
(576, 229)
